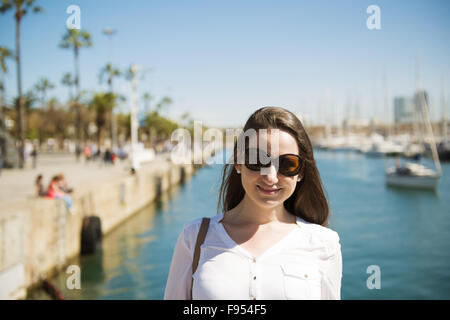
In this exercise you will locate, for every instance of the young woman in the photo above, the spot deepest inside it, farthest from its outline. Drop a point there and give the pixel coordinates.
(270, 240)
(55, 192)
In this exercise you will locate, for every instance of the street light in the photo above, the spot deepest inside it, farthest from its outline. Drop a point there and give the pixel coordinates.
(109, 32)
(134, 121)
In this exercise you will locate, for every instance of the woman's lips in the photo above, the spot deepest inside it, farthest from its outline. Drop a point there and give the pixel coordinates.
(269, 191)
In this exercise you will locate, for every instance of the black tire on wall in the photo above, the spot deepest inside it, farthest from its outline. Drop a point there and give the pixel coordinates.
(158, 185)
(183, 174)
(91, 235)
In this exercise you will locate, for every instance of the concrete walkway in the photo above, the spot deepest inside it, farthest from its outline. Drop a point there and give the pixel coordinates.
(17, 186)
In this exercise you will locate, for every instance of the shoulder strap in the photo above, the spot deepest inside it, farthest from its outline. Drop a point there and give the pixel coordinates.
(200, 239)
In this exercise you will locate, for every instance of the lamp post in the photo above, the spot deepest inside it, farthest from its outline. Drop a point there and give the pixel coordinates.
(134, 121)
(109, 32)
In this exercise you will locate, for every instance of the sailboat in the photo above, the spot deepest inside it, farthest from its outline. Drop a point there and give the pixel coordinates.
(414, 175)
(444, 145)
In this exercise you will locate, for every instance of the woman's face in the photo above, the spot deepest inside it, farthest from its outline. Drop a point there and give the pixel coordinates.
(269, 188)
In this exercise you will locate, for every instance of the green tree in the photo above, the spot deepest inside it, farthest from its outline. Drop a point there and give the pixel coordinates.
(110, 72)
(5, 54)
(21, 8)
(102, 104)
(41, 87)
(163, 104)
(76, 39)
(162, 126)
(68, 81)
(147, 98)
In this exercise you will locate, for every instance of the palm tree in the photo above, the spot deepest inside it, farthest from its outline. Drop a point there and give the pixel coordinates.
(5, 53)
(21, 8)
(146, 97)
(102, 104)
(165, 102)
(42, 86)
(76, 39)
(69, 82)
(110, 71)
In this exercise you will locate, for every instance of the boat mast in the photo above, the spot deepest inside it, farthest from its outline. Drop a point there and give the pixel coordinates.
(387, 113)
(444, 114)
(426, 116)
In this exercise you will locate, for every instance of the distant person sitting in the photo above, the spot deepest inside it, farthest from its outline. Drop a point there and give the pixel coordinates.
(40, 190)
(55, 192)
(62, 183)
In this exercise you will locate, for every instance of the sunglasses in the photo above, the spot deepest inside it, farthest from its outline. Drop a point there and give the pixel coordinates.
(287, 164)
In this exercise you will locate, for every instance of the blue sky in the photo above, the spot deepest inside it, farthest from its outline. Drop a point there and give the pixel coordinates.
(221, 60)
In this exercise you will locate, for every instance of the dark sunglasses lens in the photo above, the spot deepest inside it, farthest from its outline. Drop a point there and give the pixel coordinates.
(290, 165)
(253, 160)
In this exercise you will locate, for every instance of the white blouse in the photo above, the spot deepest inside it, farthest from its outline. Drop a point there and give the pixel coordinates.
(305, 264)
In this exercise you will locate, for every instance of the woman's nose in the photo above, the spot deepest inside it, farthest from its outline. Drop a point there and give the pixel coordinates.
(270, 174)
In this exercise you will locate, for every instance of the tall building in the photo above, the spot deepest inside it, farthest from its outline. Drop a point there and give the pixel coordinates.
(403, 110)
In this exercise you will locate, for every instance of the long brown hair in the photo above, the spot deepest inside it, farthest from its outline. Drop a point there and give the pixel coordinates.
(308, 200)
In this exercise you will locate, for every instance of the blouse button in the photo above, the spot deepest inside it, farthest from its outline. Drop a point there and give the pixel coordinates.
(254, 278)
(306, 276)
(254, 260)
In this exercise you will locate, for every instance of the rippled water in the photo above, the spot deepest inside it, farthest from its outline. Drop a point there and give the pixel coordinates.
(405, 233)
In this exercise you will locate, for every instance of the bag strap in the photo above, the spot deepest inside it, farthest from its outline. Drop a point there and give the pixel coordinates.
(200, 239)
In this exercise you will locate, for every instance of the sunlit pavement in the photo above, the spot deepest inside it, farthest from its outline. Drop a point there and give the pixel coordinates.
(17, 186)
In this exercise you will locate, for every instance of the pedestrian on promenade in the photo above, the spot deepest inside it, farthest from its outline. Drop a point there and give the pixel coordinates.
(77, 152)
(34, 155)
(107, 157)
(39, 185)
(270, 239)
(27, 151)
(87, 153)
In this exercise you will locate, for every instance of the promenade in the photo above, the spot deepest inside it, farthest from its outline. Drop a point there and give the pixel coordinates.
(17, 185)
(38, 236)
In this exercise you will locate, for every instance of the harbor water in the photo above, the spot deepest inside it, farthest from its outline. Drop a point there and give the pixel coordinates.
(404, 233)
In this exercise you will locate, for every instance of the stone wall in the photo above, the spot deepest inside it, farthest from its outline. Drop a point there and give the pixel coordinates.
(40, 236)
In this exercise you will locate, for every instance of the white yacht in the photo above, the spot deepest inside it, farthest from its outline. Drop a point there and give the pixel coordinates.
(413, 175)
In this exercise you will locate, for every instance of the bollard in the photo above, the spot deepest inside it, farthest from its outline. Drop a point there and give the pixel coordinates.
(183, 174)
(91, 235)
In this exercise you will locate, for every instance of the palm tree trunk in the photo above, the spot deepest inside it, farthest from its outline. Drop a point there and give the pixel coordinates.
(20, 106)
(77, 99)
(113, 119)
